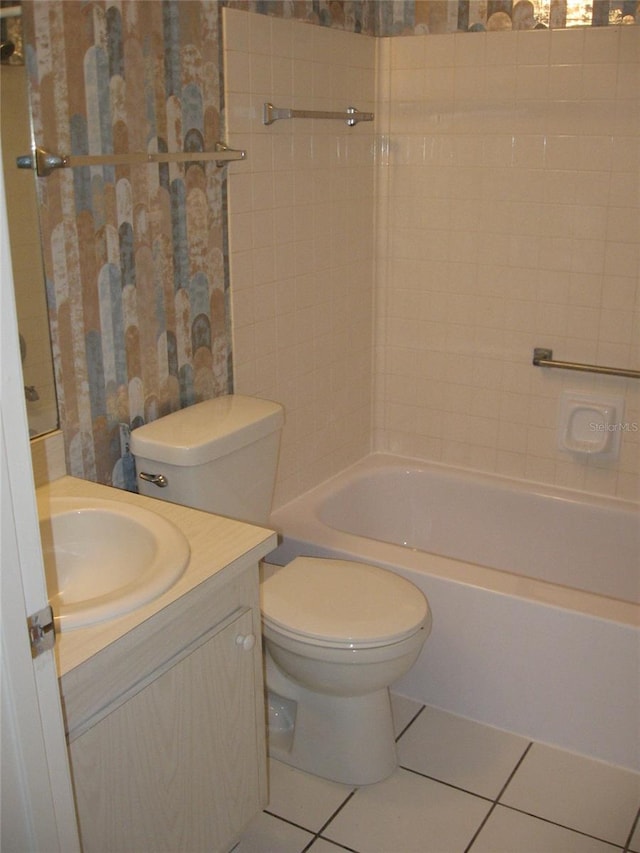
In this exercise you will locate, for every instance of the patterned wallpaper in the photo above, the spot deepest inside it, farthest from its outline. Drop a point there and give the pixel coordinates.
(423, 17)
(371, 17)
(356, 16)
(134, 255)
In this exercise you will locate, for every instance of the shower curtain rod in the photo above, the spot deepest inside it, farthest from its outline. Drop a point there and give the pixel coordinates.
(46, 162)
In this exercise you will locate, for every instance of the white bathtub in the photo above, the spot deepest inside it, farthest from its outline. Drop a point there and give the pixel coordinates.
(534, 591)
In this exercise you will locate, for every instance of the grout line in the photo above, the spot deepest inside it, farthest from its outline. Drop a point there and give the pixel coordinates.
(332, 842)
(627, 845)
(328, 821)
(495, 802)
(411, 722)
(337, 811)
(563, 826)
(479, 829)
(446, 784)
(290, 822)
(513, 772)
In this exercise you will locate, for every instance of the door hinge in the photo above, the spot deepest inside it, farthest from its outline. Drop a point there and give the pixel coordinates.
(42, 633)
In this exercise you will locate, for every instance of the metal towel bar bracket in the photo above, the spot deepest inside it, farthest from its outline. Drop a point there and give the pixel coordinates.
(543, 357)
(44, 162)
(351, 116)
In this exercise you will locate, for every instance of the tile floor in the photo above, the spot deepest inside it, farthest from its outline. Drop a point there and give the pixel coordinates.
(461, 786)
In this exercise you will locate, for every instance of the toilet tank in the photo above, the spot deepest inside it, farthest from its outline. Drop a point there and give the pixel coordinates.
(219, 455)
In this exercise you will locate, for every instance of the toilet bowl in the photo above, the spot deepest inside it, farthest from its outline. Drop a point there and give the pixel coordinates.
(337, 634)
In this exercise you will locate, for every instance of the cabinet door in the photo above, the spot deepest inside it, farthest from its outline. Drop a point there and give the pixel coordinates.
(176, 768)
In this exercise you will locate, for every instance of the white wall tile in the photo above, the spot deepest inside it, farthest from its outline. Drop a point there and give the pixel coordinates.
(301, 212)
(545, 227)
(567, 46)
(507, 218)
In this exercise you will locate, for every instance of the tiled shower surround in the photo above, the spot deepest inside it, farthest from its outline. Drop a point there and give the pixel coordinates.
(508, 219)
(389, 281)
(505, 172)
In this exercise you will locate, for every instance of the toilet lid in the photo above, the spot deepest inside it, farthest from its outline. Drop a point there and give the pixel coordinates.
(342, 602)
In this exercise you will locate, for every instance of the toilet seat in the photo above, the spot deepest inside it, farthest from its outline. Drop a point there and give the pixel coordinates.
(342, 604)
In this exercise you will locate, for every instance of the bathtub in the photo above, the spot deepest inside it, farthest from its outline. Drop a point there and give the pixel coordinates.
(534, 592)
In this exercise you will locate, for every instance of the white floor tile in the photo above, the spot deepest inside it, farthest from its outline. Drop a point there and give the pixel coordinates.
(408, 813)
(590, 796)
(268, 834)
(507, 831)
(403, 710)
(304, 799)
(452, 749)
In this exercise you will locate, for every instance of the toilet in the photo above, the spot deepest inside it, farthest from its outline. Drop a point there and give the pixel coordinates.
(336, 632)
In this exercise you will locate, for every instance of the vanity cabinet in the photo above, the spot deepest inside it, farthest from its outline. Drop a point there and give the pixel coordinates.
(166, 727)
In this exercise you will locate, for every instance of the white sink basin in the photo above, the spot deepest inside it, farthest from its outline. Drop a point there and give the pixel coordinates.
(104, 558)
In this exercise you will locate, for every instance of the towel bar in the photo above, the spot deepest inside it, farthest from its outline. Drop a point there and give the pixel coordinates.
(543, 357)
(351, 116)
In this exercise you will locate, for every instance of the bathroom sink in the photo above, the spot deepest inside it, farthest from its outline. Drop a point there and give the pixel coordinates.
(103, 558)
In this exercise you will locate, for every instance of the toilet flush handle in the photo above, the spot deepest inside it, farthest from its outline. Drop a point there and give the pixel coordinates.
(157, 479)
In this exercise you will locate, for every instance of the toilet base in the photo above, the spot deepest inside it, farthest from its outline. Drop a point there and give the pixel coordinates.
(348, 739)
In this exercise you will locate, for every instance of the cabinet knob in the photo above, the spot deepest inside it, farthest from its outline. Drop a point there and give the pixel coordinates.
(247, 641)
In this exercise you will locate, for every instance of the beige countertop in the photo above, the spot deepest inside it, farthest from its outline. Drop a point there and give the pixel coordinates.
(219, 546)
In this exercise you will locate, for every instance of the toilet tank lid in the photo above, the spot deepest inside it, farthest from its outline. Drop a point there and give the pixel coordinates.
(207, 430)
